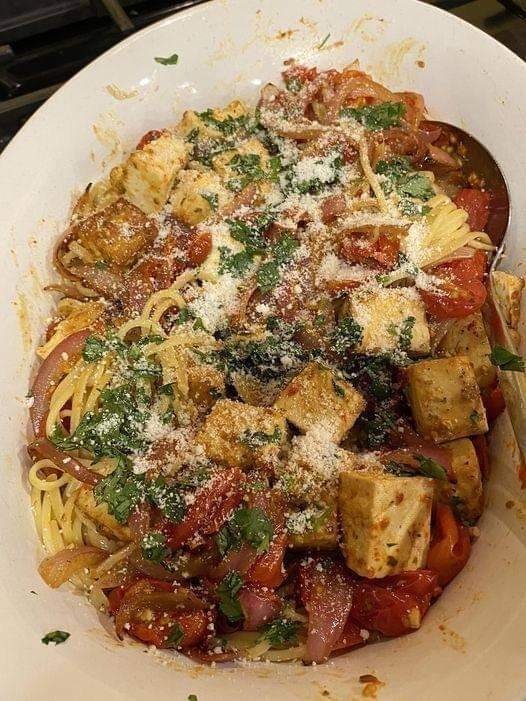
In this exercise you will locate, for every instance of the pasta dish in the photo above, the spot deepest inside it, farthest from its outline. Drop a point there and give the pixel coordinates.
(261, 406)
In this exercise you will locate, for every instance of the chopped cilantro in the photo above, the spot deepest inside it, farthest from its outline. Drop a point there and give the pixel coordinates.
(255, 439)
(153, 547)
(56, 636)
(227, 592)
(211, 198)
(246, 525)
(168, 61)
(121, 491)
(228, 126)
(281, 252)
(406, 332)
(236, 264)
(316, 184)
(280, 632)
(431, 468)
(168, 499)
(505, 360)
(377, 426)
(376, 117)
(175, 636)
(347, 334)
(400, 176)
(338, 389)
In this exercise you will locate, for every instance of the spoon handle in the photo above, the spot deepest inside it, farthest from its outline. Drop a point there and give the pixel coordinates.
(513, 384)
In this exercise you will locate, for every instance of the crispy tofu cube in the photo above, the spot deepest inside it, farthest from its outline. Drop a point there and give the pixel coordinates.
(467, 487)
(148, 175)
(445, 399)
(85, 502)
(116, 234)
(316, 397)
(194, 194)
(316, 528)
(468, 337)
(253, 390)
(205, 384)
(206, 128)
(390, 318)
(509, 291)
(239, 435)
(385, 521)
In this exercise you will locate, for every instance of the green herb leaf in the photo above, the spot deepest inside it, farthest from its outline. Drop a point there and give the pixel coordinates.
(121, 491)
(168, 61)
(338, 389)
(505, 360)
(56, 636)
(192, 697)
(175, 636)
(406, 332)
(237, 264)
(281, 252)
(255, 439)
(228, 126)
(153, 547)
(293, 84)
(376, 117)
(400, 176)
(212, 198)
(247, 525)
(280, 632)
(168, 498)
(347, 334)
(227, 592)
(325, 40)
(431, 468)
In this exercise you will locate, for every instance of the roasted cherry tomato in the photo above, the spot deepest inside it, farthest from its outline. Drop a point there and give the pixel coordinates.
(450, 547)
(476, 204)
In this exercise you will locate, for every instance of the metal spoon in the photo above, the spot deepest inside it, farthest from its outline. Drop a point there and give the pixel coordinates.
(477, 159)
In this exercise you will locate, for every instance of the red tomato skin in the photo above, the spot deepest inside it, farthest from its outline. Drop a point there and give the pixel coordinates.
(383, 251)
(267, 570)
(116, 595)
(385, 604)
(494, 403)
(476, 204)
(464, 291)
(150, 136)
(193, 623)
(450, 546)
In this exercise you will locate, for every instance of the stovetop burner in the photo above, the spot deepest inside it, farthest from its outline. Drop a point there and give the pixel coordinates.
(44, 42)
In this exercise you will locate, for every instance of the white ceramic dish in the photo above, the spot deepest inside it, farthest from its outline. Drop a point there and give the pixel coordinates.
(472, 645)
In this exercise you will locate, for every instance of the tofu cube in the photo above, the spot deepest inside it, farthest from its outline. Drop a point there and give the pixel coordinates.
(116, 234)
(320, 532)
(385, 521)
(206, 128)
(149, 174)
(509, 291)
(223, 165)
(391, 319)
(445, 399)
(316, 397)
(239, 435)
(468, 337)
(205, 384)
(467, 485)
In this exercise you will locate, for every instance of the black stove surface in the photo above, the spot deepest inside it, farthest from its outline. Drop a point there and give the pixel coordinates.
(44, 42)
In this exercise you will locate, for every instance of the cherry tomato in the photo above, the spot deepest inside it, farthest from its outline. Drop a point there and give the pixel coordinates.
(268, 568)
(157, 631)
(450, 547)
(494, 403)
(394, 605)
(476, 204)
(357, 248)
(116, 595)
(462, 291)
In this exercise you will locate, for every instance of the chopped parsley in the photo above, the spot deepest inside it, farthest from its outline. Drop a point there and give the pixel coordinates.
(121, 491)
(505, 360)
(280, 632)
(236, 264)
(338, 389)
(228, 126)
(168, 61)
(377, 426)
(281, 252)
(227, 592)
(175, 636)
(293, 84)
(249, 233)
(347, 334)
(134, 364)
(168, 498)
(56, 636)
(212, 199)
(316, 184)
(256, 439)
(400, 177)
(431, 468)
(153, 547)
(247, 525)
(376, 117)
(406, 332)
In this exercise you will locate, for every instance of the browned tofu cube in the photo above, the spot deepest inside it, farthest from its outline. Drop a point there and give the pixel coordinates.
(205, 384)
(468, 337)
(385, 521)
(509, 292)
(316, 397)
(467, 484)
(445, 399)
(116, 234)
(239, 435)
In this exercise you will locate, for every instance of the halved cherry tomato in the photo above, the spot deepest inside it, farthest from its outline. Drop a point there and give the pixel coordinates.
(350, 637)
(116, 595)
(476, 204)
(357, 248)
(157, 631)
(450, 547)
(494, 403)
(207, 513)
(462, 291)
(268, 568)
(394, 605)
